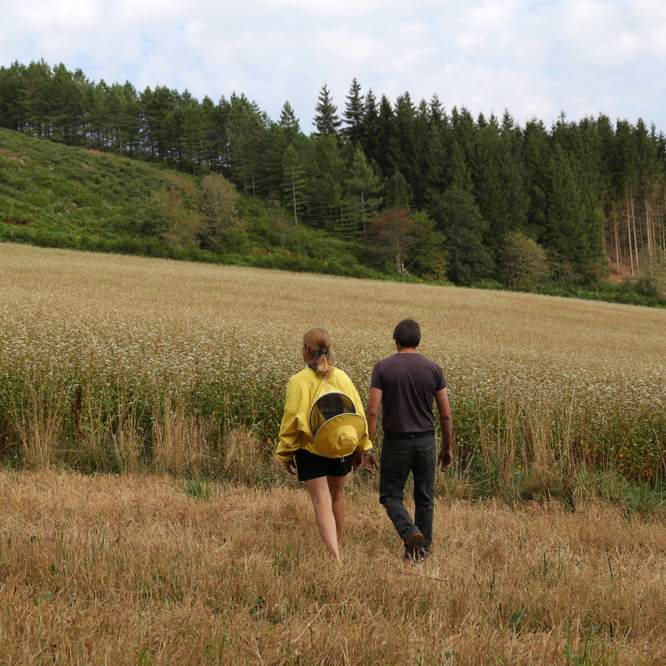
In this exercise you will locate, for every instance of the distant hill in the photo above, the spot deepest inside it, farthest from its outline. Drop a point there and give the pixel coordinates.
(62, 196)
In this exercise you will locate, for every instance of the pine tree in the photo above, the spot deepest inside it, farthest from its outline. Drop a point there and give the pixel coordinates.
(288, 122)
(246, 130)
(293, 183)
(326, 120)
(370, 127)
(362, 188)
(402, 145)
(324, 183)
(354, 112)
(384, 132)
(458, 217)
(499, 189)
(397, 192)
(536, 152)
(565, 228)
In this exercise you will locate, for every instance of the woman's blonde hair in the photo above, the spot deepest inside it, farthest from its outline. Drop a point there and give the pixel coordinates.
(318, 353)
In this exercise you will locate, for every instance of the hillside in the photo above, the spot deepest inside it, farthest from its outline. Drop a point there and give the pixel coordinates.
(55, 195)
(62, 196)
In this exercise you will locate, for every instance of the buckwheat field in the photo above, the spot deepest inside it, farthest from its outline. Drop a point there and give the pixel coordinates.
(551, 546)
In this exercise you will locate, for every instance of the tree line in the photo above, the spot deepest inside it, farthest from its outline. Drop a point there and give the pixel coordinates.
(431, 191)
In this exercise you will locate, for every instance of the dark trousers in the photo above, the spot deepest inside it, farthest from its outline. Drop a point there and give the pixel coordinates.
(402, 454)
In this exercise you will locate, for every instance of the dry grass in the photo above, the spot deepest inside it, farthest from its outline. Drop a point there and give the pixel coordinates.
(127, 570)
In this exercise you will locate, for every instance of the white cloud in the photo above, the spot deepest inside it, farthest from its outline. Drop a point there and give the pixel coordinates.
(535, 58)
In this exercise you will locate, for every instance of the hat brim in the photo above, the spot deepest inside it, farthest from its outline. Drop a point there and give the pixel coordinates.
(328, 428)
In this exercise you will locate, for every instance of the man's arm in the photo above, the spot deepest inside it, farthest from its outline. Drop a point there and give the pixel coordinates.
(372, 411)
(368, 458)
(446, 420)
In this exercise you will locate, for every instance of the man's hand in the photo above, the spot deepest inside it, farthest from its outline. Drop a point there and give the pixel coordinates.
(445, 457)
(289, 465)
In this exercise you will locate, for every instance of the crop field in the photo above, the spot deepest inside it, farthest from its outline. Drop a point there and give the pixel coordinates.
(144, 520)
(112, 363)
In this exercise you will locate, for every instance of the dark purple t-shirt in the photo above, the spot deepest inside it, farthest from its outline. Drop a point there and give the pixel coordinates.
(408, 382)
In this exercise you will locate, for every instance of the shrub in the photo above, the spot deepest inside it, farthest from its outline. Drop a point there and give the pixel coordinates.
(651, 281)
(524, 264)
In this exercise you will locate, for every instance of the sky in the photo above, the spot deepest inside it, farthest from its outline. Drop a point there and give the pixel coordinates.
(536, 58)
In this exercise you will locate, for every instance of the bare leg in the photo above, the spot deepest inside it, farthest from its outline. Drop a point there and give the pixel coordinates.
(323, 508)
(336, 485)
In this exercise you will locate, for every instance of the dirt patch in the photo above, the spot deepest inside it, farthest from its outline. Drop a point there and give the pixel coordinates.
(618, 273)
(12, 156)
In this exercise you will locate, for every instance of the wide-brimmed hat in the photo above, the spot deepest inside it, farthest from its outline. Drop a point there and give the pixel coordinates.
(335, 425)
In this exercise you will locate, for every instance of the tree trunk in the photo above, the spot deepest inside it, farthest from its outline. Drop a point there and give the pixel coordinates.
(631, 256)
(633, 228)
(293, 195)
(365, 231)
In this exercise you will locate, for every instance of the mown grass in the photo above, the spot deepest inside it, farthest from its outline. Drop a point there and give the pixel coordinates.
(134, 569)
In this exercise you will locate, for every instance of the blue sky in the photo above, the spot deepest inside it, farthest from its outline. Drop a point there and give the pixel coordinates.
(534, 58)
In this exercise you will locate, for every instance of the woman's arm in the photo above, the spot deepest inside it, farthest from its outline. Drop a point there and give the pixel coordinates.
(290, 433)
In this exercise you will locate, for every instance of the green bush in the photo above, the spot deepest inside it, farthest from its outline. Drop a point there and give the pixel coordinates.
(524, 264)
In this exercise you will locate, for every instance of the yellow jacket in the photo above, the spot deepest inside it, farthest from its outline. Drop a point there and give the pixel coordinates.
(302, 388)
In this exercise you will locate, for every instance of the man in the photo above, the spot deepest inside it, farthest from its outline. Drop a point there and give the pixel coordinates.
(405, 385)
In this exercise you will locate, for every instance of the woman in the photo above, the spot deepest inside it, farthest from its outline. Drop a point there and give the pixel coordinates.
(323, 434)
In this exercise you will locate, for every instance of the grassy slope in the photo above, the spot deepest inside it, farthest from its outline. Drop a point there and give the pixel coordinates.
(62, 196)
(73, 192)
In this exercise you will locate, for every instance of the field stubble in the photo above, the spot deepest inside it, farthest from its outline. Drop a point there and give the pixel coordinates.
(111, 363)
(145, 569)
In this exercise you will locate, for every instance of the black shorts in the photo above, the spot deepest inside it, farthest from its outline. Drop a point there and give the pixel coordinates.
(311, 466)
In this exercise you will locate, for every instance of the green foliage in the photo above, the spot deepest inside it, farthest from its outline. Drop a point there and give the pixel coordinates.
(293, 183)
(221, 228)
(523, 263)
(178, 225)
(651, 281)
(198, 489)
(393, 237)
(428, 256)
(459, 218)
(326, 119)
(362, 190)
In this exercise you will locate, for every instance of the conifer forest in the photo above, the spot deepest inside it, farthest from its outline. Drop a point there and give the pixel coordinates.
(432, 191)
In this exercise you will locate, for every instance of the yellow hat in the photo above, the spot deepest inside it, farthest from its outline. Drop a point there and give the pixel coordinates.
(336, 426)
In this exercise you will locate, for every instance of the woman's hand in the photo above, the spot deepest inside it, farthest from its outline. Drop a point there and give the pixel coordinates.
(366, 459)
(370, 460)
(289, 464)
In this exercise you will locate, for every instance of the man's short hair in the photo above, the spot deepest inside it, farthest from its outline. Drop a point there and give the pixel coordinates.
(407, 333)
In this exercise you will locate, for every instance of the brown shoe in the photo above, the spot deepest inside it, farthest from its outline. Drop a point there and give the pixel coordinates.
(414, 545)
